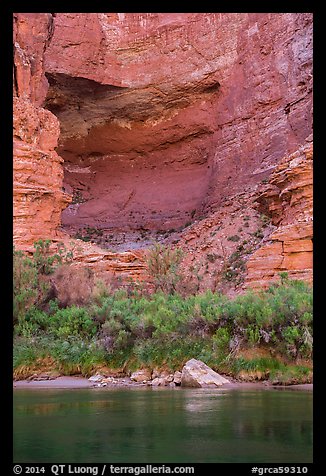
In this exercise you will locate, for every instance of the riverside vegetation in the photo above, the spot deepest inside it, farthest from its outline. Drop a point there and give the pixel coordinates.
(258, 335)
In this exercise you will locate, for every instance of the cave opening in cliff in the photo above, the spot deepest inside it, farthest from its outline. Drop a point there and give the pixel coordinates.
(136, 173)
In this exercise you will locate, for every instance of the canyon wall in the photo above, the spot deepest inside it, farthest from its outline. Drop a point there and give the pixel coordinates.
(288, 201)
(38, 172)
(163, 119)
(39, 198)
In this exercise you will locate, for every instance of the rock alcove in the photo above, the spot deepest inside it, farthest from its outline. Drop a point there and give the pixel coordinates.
(165, 120)
(136, 169)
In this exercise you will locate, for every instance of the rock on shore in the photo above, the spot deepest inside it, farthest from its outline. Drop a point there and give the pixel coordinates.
(197, 374)
(194, 374)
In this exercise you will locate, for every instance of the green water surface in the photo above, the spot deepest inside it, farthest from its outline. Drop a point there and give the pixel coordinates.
(162, 426)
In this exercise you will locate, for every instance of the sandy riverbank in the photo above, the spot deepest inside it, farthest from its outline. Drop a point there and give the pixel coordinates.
(81, 382)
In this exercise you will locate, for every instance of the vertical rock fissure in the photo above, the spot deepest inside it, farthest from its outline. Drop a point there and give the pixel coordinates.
(51, 26)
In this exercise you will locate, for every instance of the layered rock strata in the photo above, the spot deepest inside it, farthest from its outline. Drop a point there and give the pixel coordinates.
(288, 200)
(163, 119)
(39, 198)
(163, 115)
(38, 169)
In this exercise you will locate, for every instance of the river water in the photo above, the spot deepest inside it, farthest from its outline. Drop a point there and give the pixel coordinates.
(162, 426)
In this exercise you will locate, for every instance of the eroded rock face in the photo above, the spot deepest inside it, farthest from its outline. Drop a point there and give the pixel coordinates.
(171, 112)
(135, 141)
(288, 201)
(163, 118)
(39, 197)
(38, 173)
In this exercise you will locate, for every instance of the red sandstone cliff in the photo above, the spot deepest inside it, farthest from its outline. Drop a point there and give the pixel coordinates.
(163, 119)
(288, 201)
(39, 198)
(38, 172)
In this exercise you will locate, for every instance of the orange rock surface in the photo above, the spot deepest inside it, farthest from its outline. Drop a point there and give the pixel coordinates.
(143, 124)
(39, 198)
(38, 173)
(289, 202)
(162, 115)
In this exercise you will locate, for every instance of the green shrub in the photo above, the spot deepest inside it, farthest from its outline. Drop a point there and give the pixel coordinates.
(30, 287)
(72, 321)
(168, 329)
(258, 234)
(74, 355)
(221, 341)
(114, 336)
(292, 338)
(35, 321)
(163, 266)
(253, 335)
(291, 334)
(25, 352)
(44, 259)
(26, 288)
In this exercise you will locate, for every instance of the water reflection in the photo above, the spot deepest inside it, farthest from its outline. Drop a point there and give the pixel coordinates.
(50, 408)
(167, 426)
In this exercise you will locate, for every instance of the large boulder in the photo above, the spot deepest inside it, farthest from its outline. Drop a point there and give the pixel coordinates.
(197, 374)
